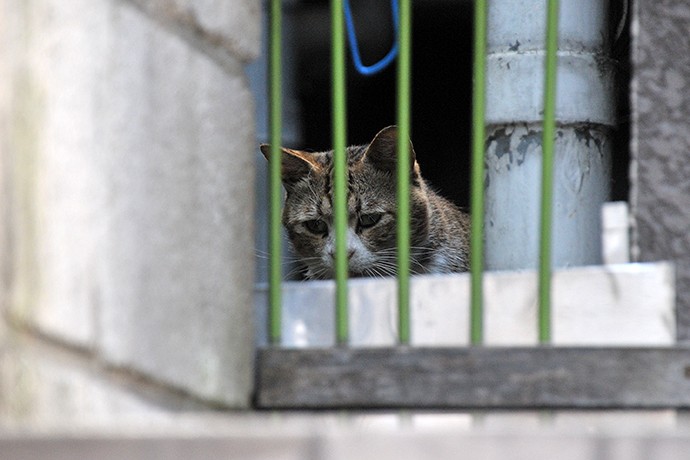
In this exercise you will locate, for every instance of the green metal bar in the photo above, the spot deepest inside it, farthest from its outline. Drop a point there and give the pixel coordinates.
(477, 179)
(547, 172)
(403, 218)
(275, 249)
(340, 210)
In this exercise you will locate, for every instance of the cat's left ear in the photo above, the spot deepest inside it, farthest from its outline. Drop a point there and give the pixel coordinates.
(382, 152)
(295, 164)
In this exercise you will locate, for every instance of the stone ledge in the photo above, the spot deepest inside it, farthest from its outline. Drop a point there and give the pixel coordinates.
(611, 305)
(312, 442)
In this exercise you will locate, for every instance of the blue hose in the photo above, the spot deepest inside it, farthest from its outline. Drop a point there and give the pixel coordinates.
(354, 46)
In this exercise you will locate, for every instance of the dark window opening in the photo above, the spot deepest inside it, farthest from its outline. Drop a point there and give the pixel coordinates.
(442, 92)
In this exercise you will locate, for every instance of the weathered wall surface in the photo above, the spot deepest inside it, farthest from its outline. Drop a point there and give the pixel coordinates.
(660, 172)
(127, 177)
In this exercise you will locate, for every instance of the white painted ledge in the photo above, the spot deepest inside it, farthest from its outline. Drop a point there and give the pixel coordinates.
(614, 305)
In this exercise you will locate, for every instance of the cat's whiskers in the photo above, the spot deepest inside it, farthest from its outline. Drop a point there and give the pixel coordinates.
(318, 272)
(385, 267)
(388, 256)
(376, 272)
(295, 271)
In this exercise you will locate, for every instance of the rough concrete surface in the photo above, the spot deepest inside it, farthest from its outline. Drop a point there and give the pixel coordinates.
(661, 141)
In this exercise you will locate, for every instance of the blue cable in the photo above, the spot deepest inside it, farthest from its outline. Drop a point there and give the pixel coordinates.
(354, 46)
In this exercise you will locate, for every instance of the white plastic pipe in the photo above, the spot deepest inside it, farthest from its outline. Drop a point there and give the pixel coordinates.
(585, 114)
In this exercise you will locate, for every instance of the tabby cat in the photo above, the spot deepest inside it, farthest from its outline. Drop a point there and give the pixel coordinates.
(439, 230)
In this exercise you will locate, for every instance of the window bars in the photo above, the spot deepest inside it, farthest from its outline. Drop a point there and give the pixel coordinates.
(631, 375)
(477, 173)
(338, 66)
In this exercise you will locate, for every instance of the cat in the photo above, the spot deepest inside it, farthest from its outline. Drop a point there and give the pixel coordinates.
(439, 230)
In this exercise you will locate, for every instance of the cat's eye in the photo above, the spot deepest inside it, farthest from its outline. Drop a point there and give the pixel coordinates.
(316, 226)
(369, 220)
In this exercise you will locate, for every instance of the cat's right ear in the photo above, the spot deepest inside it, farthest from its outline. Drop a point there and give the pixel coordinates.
(383, 151)
(295, 164)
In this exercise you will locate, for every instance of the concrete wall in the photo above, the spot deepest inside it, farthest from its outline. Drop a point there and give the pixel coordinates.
(660, 171)
(127, 177)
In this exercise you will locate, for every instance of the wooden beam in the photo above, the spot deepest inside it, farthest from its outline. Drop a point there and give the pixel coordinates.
(482, 377)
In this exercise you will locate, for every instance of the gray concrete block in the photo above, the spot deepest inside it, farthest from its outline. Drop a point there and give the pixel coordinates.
(131, 156)
(231, 24)
(51, 143)
(41, 386)
(178, 145)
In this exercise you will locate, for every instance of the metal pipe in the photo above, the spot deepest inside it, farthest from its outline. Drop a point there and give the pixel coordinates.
(478, 133)
(403, 225)
(340, 213)
(275, 253)
(549, 128)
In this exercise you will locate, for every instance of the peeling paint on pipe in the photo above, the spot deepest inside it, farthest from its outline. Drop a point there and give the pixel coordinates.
(581, 176)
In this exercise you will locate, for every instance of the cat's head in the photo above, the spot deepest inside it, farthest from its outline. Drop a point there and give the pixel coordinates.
(372, 206)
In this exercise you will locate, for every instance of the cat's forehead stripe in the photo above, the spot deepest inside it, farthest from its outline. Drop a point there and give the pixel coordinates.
(353, 156)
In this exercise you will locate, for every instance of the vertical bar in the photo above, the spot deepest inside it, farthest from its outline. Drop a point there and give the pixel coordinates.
(547, 172)
(404, 167)
(477, 179)
(275, 250)
(339, 167)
